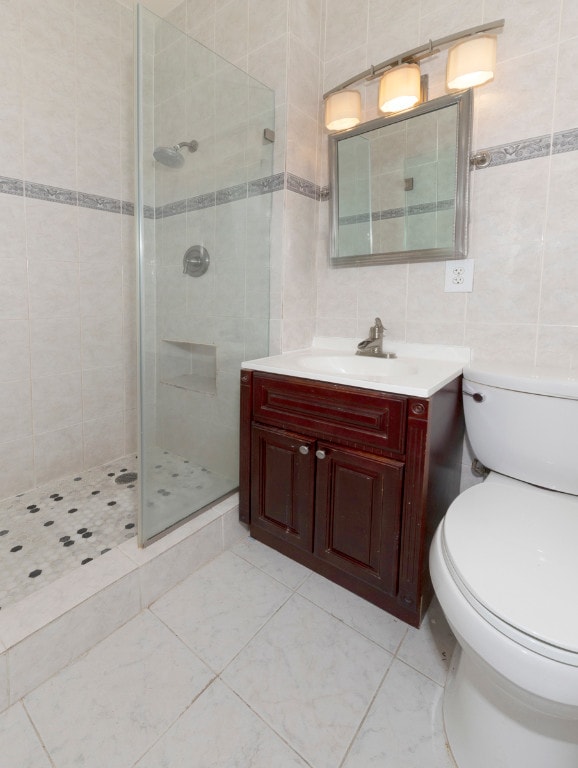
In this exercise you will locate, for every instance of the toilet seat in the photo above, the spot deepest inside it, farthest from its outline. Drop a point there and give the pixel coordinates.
(511, 549)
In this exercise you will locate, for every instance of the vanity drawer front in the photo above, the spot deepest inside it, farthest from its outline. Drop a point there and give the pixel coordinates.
(360, 416)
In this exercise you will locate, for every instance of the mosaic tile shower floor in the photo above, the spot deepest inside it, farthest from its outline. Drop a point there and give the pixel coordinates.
(60, 526)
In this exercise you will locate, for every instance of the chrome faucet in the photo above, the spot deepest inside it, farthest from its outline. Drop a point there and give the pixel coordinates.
(373, 345)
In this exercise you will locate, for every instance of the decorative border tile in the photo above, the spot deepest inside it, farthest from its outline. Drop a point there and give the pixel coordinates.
(527, 149)
(530, 149)
(395, 213)
(303, 186)
(10, 186)
(50, 194)
(565, 141)
(171, 209)
(231, 194)
(265, 185)
(392, 213)
(201, 201)
(108, 204)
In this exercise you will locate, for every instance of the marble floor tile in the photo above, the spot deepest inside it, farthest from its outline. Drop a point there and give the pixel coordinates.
(218, 609)
(429, 649)
(19, 744)
(404, 726)
(109, 707)
(221, 731)
(379, 626)
(278, 566)
(311, 678)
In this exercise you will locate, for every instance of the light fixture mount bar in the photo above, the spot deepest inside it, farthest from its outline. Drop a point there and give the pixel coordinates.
(417, 54)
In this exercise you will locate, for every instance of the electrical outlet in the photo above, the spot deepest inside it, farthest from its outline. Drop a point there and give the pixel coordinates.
(459, 276)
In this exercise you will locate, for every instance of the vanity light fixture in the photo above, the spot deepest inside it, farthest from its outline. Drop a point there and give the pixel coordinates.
(343, 110)
(399, 88)
(471, 62)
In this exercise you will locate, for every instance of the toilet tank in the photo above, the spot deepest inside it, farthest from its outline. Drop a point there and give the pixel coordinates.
(522, 421)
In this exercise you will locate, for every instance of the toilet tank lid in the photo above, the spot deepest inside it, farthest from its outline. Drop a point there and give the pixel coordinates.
(538, 380)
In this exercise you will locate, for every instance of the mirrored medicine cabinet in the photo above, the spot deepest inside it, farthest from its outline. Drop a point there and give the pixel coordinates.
(399, 186)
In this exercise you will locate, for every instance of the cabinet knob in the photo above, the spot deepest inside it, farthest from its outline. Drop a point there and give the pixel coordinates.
(320, 454)
(303, 449)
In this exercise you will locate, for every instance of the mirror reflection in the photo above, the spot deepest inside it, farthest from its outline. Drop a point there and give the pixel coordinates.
(399, 186)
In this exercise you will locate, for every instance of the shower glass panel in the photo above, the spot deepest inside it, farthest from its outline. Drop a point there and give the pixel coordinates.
(203, 216)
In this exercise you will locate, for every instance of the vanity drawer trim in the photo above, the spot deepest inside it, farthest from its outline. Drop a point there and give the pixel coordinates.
(363, 417)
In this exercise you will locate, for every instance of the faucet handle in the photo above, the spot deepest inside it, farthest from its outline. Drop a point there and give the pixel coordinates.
(376, 330)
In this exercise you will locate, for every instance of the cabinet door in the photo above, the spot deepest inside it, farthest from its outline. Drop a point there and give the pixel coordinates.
(282, 482)
(358, 508)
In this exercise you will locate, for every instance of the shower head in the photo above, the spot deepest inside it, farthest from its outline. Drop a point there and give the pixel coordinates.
(171, 156)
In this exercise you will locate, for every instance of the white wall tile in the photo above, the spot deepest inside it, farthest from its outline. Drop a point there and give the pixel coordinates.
(66, 121)
(15, 410)
(51, 231)
(512, 93)
(57, 454)
(12, 225)
(102, 391)
(267, 21)
(16, 466)
(56, 402)
(530, 26)
(103, 439)
(345, 27)
(14, 350)
(54, 346)
(13, 289)
(557, 346)
(54, 289)
(232, 29)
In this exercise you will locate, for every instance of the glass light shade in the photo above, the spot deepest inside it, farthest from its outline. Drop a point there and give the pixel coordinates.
(471, 62)
(342, 110)
(399, 88)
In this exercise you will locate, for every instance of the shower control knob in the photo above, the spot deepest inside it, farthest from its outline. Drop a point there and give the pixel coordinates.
(304, 450)
(320, 454)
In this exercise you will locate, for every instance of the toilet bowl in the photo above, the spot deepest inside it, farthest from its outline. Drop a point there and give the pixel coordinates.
(504, 565)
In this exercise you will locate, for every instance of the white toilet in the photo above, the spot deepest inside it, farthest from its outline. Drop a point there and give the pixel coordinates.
(504, 565)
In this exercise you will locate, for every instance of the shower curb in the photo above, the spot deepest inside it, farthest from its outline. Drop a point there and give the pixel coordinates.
(47, 630)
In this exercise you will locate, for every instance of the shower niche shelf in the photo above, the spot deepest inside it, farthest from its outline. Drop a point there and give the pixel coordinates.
(186, 365)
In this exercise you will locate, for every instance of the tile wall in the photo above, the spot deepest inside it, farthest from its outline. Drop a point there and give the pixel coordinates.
(279, 43)
(522, 228)
(523, 233)
(523, 223)
(67, 333)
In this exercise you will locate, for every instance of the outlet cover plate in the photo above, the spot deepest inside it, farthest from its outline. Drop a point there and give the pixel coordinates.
(459, 276)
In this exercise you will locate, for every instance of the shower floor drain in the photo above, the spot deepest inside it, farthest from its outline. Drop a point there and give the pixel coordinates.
(126, 477)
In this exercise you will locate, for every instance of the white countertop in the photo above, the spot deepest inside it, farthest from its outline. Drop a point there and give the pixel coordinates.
(418, 370)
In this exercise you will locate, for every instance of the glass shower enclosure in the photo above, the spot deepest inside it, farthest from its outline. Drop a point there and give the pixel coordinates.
(205, 159)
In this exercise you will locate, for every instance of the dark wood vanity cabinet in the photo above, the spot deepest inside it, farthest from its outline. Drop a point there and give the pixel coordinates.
(350, 482)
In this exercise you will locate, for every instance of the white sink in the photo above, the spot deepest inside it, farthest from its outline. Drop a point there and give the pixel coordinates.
(356, 365)
(418, 369)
